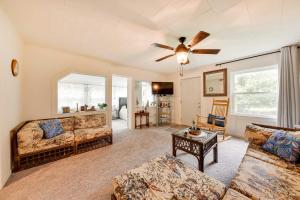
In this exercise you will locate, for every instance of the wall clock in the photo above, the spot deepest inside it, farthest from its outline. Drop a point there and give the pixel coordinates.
(14, 67)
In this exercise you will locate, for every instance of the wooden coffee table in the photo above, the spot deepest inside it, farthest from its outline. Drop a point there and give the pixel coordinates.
(197, 146)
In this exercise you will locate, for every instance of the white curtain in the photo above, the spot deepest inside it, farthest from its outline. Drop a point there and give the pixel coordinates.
(289, 94)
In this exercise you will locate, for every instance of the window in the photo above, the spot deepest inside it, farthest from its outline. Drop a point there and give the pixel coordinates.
(144, 93)
(80, 89)
(255, 92)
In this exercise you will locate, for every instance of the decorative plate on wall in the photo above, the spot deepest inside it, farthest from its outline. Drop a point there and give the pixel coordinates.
(14, 67)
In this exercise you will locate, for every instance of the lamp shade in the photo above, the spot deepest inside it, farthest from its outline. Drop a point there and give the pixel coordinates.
(181, 57)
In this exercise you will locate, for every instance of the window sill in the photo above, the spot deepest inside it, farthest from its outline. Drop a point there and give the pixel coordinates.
(253, 116)
(79, 113)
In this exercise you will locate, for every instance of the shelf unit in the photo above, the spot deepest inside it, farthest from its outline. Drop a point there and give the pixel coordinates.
(164, 110)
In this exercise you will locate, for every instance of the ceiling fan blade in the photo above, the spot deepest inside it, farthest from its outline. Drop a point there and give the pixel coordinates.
(206, 51)
(160, 59)
(197, 38)
(162, 46)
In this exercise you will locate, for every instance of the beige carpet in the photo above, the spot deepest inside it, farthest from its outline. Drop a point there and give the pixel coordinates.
(89, 175)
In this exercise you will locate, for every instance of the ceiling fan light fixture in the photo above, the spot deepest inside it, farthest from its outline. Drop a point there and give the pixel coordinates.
(181, 57)
(181, 54)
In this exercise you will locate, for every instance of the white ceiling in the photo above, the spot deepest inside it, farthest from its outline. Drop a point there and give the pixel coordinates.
(122, 31)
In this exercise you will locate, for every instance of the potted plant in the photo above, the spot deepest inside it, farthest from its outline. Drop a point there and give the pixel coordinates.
(102, 106)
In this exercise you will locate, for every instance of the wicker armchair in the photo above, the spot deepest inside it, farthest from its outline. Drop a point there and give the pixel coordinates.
(219, 108)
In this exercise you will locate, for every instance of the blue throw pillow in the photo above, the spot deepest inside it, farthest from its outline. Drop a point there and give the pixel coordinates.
(51, 128)
(211, 118)
(220, 123)
(284, 145)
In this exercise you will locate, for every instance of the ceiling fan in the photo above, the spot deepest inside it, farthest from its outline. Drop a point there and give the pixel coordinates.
(182, 51)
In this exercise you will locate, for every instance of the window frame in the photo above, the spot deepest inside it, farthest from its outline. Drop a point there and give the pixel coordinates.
(232, 94)
(59, 110)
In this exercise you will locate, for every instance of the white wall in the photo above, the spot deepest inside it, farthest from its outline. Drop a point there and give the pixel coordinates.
(236, 124)
(10, 91)
(45, 66)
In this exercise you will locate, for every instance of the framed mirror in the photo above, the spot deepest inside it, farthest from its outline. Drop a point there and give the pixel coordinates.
(215, 83)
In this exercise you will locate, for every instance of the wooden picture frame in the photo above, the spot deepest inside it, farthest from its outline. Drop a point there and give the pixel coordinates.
(215, 83)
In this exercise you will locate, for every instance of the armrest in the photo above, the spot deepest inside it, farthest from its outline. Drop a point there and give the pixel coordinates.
(276, 127)
(199, 116)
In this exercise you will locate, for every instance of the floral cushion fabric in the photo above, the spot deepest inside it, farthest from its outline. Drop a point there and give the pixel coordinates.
(284, 145)
(43, 144)
(30, 134)
(89, 121)
(166, 178)
(89, 133)
(51, 128)
(234, 195)
(67, 123)
(258, 153)
(257, 179)
(258, 135)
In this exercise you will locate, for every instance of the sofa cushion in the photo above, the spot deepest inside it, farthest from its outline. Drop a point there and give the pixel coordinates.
(166, 178)
(67, 123)
(284, 145)
(258, 135)
(234, 195)
(257, 152)
(30, 134)
(89, 133)
(51, 128)
(43, 144)
(257, 179)
(89, 121)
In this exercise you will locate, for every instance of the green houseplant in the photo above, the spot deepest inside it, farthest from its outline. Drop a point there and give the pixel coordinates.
(102, 106)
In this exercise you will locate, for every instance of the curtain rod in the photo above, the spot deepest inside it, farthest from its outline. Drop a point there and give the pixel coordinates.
(246, 58)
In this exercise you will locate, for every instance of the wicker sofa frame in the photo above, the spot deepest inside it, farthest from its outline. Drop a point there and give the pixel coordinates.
(91, 144)
(33, 159)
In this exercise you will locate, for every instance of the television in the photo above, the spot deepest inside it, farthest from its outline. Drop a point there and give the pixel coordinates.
(162, 88)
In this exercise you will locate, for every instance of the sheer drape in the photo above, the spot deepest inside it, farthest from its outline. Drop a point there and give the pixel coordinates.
(289, 94)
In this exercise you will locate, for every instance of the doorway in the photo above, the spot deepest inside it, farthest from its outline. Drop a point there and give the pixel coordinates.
(190, 99)
(119, 102)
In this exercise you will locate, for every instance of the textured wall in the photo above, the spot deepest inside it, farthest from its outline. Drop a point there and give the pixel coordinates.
(10, 91)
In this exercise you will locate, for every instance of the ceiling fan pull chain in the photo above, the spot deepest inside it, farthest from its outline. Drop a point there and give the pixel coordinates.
(181, 70)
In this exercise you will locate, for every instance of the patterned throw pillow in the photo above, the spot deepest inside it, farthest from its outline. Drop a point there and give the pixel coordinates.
(258, 135)
(211, 118)
(284, 145)
(51, 128)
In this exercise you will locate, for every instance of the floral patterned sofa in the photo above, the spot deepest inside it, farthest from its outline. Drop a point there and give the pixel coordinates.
(166, 177)
(261, 176)
(80, 133)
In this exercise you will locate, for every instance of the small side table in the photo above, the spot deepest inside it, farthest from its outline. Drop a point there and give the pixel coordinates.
(139, 116)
